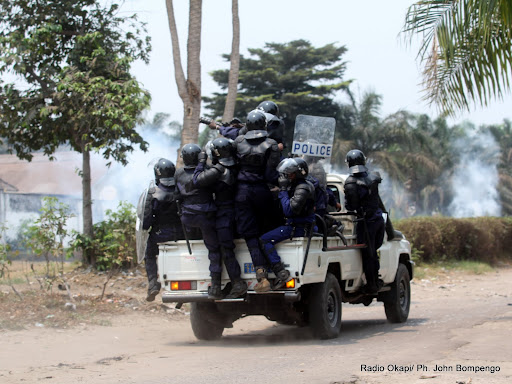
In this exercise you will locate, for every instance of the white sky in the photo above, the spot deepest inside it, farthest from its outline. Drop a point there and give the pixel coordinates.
(377, 58)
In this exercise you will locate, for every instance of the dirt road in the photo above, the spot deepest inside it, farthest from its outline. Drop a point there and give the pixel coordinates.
(459, 324)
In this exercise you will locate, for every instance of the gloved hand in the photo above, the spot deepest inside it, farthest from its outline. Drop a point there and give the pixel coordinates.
(219, 167)
(202, 157)
(284, 182)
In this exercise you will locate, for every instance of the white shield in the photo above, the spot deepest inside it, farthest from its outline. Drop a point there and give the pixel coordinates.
(141, 235)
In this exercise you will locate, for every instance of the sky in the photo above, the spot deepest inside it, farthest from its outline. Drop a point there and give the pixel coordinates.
(377, 59)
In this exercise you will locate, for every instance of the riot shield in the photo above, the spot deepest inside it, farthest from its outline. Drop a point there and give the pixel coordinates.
(141, 235)
(313, 136)
(312, 139)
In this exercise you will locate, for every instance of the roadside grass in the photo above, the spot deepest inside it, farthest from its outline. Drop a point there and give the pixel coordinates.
(440, 268)
(20, 270)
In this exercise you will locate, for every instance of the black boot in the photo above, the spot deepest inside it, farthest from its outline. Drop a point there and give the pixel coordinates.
(153, 289)
(214, 290)
(238, 290)
(282, 276)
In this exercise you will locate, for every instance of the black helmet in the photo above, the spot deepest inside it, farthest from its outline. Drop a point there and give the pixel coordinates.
(356, 161)
(223, 151)
(164, 172)
(303, 165)
(269, 107)
(190, 153)
(256, 124)
(290, 165)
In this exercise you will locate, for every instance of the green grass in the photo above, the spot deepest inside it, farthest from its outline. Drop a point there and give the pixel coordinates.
(429, 270)
(15, 280)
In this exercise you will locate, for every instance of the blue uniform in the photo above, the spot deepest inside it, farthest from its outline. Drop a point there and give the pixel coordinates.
(362, 196)
(298, 206)
(199, 211)
(222, 179)
(161, 215)
(258, 157)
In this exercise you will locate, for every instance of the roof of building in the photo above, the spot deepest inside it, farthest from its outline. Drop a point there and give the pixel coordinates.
(42, 176)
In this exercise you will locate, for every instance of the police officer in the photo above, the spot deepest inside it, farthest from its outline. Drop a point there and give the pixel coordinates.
(161, 219)
(275, 125)
(198, 211)
(258, 156)
(222, 177)
(362, 196)
(297, 197)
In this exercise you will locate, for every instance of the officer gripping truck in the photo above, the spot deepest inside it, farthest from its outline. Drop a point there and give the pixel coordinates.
(326, 267)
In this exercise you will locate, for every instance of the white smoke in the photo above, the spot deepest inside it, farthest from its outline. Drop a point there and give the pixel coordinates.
(476, 177)
(126, 183)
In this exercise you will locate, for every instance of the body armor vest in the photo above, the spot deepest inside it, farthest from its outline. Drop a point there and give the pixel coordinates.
(166, 213)
(302, 203)
(369, 201)
(190, 194)
(253, 155)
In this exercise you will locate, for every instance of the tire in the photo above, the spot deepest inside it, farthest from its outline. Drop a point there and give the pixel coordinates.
(325, 308)
(203, 329)
(398, 300)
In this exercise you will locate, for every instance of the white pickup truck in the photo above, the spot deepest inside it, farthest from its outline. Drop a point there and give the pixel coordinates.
(326, 273)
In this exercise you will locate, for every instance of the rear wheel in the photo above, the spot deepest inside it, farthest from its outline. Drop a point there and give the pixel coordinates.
(398, 300)
(205, 321)
(325, 308)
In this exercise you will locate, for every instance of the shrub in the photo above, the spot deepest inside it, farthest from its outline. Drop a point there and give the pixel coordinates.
(484, 239)
(114, 239)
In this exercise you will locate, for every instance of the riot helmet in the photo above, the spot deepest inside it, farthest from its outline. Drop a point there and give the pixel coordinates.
(292, 166)
(356, 161)
(223, 151)
(303, 165)
(190, 153)
(256, 125)
(256, 121)
(269, 107)
(164, 172)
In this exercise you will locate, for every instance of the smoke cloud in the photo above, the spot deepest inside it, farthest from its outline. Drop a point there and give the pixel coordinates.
(476, 177)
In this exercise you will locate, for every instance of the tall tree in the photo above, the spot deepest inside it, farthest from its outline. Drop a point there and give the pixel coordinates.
(300, 78)
(72, 60)
(189, 88)
(234, 70)
(465, 49)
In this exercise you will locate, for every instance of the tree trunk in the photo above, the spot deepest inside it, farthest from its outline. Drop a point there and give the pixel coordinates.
(189, 88)
(88, 257)
(229, 108)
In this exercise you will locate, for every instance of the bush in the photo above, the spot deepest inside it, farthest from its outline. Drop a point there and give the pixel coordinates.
(486, 239)
(114, 239)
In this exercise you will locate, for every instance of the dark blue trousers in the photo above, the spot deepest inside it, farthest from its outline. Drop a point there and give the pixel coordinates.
(225, 225)
(206, 223)
(155, 237)
(252, 203)
(277, 235)
(373, 240)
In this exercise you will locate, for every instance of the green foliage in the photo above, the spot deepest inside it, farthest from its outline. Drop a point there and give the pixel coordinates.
(5, 260)
(46, 236)
(75, 57)
(465, 49)
(114, 239)
(300, 78)
(485, 239)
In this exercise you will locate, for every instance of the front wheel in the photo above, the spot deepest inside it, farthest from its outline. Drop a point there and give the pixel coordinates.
(398, 300)
(325, 308)
(203, 318)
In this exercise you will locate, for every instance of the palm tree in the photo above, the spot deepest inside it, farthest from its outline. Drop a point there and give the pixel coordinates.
(465, 50)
